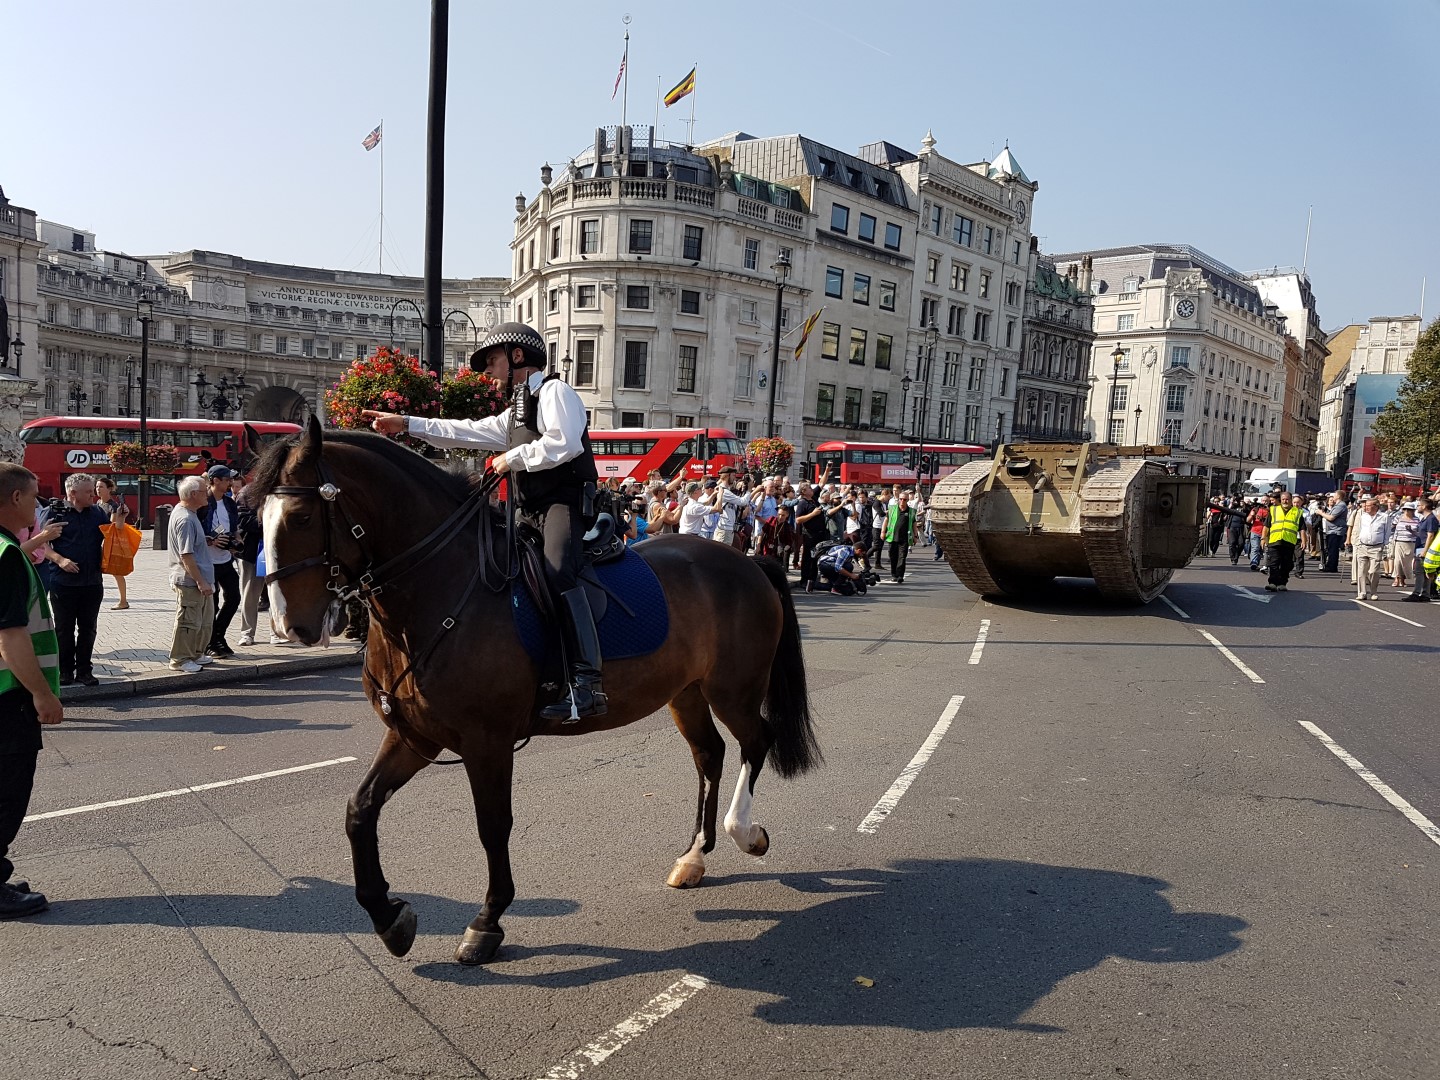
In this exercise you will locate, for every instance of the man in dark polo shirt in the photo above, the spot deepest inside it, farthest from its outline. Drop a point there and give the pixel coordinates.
(29, 678)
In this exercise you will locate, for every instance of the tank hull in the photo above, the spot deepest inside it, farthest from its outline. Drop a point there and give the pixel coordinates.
(1036, 512)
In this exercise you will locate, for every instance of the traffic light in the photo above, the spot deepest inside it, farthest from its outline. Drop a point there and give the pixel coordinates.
(911, 456)
(925, 464)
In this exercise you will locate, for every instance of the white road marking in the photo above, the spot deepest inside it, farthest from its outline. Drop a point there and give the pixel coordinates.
(1173, 608)
(907, 777)
(1229, 655)
(639, 1022)
(1392, 614)
(1386, 792)
(980, 641)
(1248, 595)
(186, 790)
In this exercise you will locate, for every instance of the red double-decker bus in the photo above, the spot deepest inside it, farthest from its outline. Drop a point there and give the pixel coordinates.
(634, 453)
(1383, 482)
(890, 463)
(56, 446)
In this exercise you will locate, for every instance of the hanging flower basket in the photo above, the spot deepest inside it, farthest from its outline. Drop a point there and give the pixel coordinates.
(128, 457)
(771, 456)
(470, 395)
(388, 381)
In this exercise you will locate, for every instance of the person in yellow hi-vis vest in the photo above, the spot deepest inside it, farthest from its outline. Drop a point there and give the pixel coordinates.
(1426, 570)
(29, 678)
(1284, 534)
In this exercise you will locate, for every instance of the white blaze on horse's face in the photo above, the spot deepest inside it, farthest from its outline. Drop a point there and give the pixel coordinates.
(270, 522)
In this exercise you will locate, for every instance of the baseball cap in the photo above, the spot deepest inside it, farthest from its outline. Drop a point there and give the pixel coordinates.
(219, 472)
(711, 482)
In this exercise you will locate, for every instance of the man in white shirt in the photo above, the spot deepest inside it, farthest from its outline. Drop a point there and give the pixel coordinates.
(1370, 538)
(731, 502)
(545, 442)
(694, 509)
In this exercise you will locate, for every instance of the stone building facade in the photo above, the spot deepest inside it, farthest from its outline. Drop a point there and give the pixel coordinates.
(1053, 383)
(1200, 360)
(1289, 289)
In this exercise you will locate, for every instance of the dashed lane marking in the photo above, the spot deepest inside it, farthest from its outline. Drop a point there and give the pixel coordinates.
(633, 1026)
(980, 641)
(1173, 607)
(1386, 792)
(1229, 655)
(186, 790)
(1392, 614)
(907, 776)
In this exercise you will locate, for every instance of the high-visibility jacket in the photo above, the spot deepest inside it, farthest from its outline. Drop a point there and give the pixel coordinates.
(1431, 562)
(1285, 524)
(41, 627)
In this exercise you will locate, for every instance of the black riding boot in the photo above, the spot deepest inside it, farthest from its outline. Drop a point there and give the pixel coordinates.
(586, 697)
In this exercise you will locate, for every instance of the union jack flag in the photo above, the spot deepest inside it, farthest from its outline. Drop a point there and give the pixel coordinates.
(373, 139)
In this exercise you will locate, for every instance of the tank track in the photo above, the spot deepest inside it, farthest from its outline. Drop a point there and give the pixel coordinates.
(1112, 505)
(951, 508)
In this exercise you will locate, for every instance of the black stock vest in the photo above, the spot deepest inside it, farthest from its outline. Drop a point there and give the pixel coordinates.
(566, 482)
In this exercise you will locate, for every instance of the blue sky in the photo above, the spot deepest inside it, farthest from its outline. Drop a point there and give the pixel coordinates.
(237, 126)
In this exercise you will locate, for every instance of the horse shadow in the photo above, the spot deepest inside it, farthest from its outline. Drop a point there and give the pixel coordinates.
(948, 944)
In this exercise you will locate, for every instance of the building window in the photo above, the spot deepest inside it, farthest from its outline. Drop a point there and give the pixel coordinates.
(1175, 398)
(552, 300)
(97, 365)
(632, 419)
(984, 286)
(744, 376)
(866, 231)
(824, 402)
(1009, 333)
(884, 346)
(989, 242)
(281, 343)
(637, 354)
(859, 340)
(694, 242)
(839, 218)
(684, 420)
(637, 297)
(878, 406)
(742, 430)
(690, 301)
(1117, 431)
(1124, 364)
(217, 338)
(1180, 357)
(932, 268)
(590, 236)
(947, 419)
(1004, 382)
(972, 423)
(585, 363)
(982, 327)
(1130, 286)
(937, 219)
(834, 281)
(852, 407)
(1171, 436)
(1119, 397)
(892, 236)
(52, 313)
(585, 296)
(750, 311)
(830, 341)
(102, 321)
(887, 296)
(962, 232)
(976, 379)
(75, 319)
(1125, 322)
(752, 253)
(1015, 253)
(951, 373)
(860, 289)
(955, 321)
(642, 235)
(929, 308)
(1012, 293)
(685, 371)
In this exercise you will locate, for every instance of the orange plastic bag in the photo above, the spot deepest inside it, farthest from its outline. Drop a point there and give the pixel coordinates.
(118, 555)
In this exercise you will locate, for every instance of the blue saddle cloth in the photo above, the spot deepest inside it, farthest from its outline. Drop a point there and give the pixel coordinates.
(622, 635)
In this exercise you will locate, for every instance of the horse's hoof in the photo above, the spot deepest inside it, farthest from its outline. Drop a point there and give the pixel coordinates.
(401, 933)
(479, 946)
(761, 846)
(686, 875)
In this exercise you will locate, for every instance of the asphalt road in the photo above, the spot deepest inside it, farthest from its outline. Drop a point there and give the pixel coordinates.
(1123, 857)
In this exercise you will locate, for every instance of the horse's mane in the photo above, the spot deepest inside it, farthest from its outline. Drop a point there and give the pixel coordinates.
(417, 469)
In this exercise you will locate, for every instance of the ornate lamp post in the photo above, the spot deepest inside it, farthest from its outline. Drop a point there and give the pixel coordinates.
(78, 397)
(144, 309)
(926, 361)
(129, 385)
(781, 266)
(1240, 457)
(905, 403)
(1118, 356)
(474, 330)
(565, 363)
(228, 396)
(1137, 425)
(412, 303)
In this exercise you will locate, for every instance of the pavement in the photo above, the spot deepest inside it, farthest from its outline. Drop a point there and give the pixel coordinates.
(132, 647)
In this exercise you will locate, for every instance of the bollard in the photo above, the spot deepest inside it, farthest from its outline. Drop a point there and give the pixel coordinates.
(161, 538)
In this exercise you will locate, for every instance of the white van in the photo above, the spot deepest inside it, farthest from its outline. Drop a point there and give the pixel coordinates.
(1295, 481)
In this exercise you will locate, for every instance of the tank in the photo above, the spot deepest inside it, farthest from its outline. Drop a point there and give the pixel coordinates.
(1044, 510)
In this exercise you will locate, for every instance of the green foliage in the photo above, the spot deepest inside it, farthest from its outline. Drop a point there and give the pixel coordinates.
(1401, 428)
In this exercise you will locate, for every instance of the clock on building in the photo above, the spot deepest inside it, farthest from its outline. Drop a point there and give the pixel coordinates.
(1020, 210)
(1185, 308)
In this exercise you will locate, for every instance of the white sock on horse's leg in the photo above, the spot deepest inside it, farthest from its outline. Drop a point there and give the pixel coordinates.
(742, 830)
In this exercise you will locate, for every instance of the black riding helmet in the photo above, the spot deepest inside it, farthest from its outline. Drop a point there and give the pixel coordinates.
(511, 335)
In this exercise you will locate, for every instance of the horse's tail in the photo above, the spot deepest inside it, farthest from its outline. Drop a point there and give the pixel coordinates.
(787, 701)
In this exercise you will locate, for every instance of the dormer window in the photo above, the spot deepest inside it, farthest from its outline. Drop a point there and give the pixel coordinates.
(748, 187)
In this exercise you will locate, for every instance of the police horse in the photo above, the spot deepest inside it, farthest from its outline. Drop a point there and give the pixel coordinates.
(355, 514)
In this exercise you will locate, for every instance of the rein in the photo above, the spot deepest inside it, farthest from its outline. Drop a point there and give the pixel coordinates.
(372, 581)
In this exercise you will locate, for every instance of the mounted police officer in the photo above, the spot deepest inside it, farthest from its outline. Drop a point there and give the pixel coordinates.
(545, 441)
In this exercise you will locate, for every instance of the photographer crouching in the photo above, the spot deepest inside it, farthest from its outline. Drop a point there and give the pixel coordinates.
(73, 574)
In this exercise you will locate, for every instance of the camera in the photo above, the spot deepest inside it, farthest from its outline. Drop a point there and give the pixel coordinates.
(58, 507)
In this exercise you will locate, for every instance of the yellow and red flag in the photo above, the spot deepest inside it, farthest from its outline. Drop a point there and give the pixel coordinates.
(684, 88)
(805, 332)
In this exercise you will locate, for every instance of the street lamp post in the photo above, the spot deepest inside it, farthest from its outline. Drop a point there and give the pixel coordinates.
(924, 362)
(144, 309)
(474, 330)
(396, 304)
(781, 266)
(565, 363)
(221, 402)
(129, 386)
(17, 345)
(905, 384)
(1240, 457)
(1117, 356)
(78, 397)
(1137, 425)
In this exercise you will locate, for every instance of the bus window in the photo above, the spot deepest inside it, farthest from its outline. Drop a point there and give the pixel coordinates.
(677, 459)
(48, 434)
(893, 457)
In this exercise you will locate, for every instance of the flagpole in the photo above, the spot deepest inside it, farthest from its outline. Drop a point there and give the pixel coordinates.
(625, 76)
(382, 195)
(690, 138)
(659, 93)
